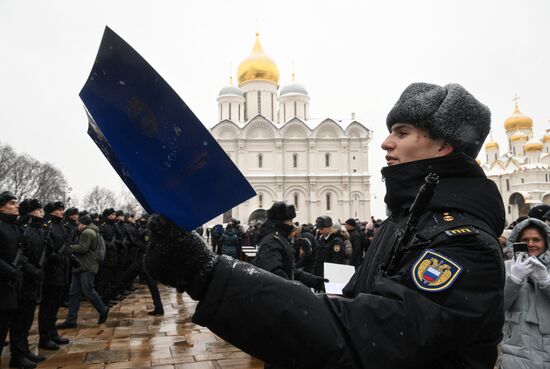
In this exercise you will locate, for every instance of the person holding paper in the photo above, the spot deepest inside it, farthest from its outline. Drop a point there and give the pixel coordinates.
(439, 306)
(275, 253)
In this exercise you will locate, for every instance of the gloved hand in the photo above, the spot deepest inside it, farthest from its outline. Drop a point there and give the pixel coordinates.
(540, 273)
(178, 258)
(521, 269)
(310, 280)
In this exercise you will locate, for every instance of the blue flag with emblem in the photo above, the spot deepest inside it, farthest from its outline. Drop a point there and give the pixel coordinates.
(158, 147)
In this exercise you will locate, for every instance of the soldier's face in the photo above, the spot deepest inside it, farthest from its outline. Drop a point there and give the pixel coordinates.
(58, 213)
(407, 142)
(534, 240)
(10, 208)
(39, 213)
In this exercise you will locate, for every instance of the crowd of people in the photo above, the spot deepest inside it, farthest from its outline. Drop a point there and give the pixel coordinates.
(54, 256)
(326, 241)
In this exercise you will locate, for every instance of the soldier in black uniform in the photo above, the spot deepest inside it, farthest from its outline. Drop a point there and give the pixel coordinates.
(104, 278)
(32, 229)
(439, 304)
(275, 253)
(55, 277)
(11, 264)
(141, 245)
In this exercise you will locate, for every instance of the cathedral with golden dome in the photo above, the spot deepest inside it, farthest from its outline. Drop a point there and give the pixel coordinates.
(521, 169)
(318, 164)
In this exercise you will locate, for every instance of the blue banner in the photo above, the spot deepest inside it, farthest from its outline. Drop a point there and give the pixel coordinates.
(159, 148)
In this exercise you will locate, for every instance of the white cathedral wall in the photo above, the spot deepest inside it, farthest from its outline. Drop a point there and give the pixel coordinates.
(311, 180)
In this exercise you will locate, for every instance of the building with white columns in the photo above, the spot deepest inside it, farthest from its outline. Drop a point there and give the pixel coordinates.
(319, 165)
(521, 169)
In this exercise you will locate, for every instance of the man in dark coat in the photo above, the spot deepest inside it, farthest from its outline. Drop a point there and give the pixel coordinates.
(275, 253)
(55, 277)
(357, 243)
(440, 305)
(32, 230)
(11, 260)
(105, 275)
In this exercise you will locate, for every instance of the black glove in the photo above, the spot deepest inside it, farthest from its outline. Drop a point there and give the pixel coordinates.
(178, 258)
(310, 280)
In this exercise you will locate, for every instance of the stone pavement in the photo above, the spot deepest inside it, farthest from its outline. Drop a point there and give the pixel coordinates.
(132, 339)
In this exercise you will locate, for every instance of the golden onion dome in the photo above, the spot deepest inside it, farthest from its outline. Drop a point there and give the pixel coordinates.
(519, 136)
(546, 137)
(258, 66)
(533, 145)
(518, 120)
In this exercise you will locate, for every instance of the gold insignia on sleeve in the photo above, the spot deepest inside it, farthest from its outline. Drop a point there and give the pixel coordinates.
(462, 231)
(336, 248)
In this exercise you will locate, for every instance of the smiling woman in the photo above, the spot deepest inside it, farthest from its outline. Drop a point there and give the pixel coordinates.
(527, 299)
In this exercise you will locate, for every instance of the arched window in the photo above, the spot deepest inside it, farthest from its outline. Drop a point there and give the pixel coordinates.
(328, 199)
(295, 109)
(260, 160)
(260, 200)
(229, 111)
(294, 160)
(327, 160)
(296, 200)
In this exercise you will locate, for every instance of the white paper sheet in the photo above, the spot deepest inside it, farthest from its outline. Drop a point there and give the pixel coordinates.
(338, 276)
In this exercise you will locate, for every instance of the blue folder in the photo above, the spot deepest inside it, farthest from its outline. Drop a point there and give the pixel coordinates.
(159, 148)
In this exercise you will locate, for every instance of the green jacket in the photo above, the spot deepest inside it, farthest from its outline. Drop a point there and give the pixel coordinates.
(84, 250)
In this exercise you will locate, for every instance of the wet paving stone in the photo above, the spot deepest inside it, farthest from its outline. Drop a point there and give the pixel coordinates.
(132, 339)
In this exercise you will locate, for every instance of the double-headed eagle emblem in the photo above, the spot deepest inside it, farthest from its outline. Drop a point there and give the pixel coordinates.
(434, 272)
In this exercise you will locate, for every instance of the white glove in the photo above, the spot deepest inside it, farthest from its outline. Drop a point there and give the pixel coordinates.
(521, 269)
(540, 273)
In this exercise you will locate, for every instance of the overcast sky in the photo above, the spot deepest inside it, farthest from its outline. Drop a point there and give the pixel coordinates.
(352, 56)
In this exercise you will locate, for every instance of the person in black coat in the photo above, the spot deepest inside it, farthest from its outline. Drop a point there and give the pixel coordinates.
(11, 277)
(438, 304)
(105, 283)
(32, 229)
(357, 243)
(55, 268)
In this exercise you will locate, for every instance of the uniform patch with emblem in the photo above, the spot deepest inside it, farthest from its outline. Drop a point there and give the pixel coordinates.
(434, 272)
(336, 248)
(146, 238)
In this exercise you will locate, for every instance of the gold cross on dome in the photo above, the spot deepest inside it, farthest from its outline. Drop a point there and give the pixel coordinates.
(515, 99)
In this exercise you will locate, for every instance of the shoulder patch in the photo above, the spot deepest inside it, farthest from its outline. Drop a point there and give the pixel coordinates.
(461, 231)
(336, 248)
(434, 272)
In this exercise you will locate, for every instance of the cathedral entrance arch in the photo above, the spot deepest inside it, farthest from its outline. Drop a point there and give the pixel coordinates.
(257, 216)
(518, 206)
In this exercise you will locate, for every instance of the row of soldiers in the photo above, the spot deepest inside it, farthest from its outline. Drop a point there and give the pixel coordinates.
(37, 263)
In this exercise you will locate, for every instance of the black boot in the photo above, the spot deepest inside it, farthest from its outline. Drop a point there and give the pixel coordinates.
(35, 357)
(21, 362)
(60, 340)
(47, 344)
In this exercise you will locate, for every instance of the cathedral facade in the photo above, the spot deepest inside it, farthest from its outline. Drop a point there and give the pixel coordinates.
(521, 170)
(319, 165)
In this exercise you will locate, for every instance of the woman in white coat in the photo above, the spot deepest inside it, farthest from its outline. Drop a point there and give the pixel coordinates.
(526, 341)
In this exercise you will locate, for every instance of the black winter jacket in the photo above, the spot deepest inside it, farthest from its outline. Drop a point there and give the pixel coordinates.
(442, 309)
(8, 273)
(57, 264)
(34, 230)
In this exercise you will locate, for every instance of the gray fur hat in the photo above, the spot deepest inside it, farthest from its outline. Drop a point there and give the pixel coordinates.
(449, 112)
